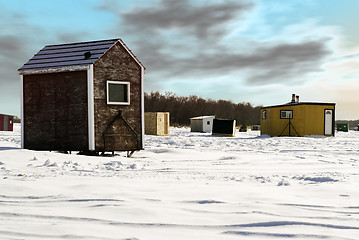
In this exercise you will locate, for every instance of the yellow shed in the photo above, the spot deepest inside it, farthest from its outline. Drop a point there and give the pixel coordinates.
(298, 119)
(157, 123)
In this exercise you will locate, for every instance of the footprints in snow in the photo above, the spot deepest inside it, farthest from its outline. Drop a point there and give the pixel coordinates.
(38, 167)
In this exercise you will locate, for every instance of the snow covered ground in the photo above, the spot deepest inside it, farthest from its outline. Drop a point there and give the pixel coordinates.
(185, 186)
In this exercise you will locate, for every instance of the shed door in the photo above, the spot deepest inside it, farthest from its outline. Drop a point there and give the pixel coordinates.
(328, 127)
(6, 123)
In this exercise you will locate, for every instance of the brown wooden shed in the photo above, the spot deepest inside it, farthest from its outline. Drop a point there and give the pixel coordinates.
(157, 123)
(85, 96)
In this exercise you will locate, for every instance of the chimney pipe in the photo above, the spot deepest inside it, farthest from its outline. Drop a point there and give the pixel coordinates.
(297, 98)
(293, 98)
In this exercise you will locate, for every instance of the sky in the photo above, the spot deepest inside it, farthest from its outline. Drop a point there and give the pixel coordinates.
(256, 51)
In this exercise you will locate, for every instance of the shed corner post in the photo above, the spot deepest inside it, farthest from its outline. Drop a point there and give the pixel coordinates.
(168, 123)
(91, 108)
(22, 111)
(333, 124)
(143, 107)
(234, 128)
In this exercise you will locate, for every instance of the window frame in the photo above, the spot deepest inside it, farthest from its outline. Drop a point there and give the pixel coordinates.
(291, 114)
(108, 92)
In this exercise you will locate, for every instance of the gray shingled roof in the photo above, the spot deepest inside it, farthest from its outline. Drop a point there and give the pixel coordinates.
(68, 55)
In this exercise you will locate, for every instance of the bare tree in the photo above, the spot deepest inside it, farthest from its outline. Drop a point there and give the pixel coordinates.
(183, 108)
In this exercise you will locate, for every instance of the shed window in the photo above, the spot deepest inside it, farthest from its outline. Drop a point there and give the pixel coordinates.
(264, 114)
(118, 93)
(286, 114)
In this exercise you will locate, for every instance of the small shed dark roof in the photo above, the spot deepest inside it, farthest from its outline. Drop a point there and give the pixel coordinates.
(69, 55)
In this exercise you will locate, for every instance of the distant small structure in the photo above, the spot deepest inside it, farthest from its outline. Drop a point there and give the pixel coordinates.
(224, 127)
(243, 128)
(84, 96)
(157, 123)
(6, 122)
(342, 127)
(202, 124)
(298, 119)
(256, 127)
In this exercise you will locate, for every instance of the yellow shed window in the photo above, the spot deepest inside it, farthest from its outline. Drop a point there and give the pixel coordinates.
(286, 114)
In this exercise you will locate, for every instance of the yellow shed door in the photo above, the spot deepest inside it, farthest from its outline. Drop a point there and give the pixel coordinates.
(328, 127)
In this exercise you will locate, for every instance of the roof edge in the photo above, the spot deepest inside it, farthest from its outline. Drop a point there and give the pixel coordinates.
(202, 117)
(123, 44)
(300, 103)
(82, 42)
(131, 53)
(54, 70)
(9, 115)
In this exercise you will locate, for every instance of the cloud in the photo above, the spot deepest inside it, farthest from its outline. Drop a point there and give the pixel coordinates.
(70, 37)
(283, 56)
(14, 40)
(20, 40)
(270, 63)
(12, 53)
(178, 39)
(24, 33)
(287, 62)
(9, 45)
(349, 56)
(204, 21)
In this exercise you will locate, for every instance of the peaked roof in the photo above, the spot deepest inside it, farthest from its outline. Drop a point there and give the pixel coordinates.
(72, 54)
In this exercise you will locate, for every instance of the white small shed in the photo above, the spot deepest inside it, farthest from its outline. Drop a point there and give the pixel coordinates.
(202, 124)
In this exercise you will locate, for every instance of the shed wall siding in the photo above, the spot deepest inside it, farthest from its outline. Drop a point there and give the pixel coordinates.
(6, 123)
(3, 124)
(208, 127)
(157, 123)
(55, 111)
(117, 65)
(150, 123)
(196, 125)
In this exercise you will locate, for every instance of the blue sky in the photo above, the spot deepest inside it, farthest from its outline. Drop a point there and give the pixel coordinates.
(256, 51)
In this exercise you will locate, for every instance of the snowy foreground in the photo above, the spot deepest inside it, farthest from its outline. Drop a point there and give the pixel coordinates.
(185, 186)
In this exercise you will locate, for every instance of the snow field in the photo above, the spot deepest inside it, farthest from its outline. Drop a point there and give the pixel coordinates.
(185, 186)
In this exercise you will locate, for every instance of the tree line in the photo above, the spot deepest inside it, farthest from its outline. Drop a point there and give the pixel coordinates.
(181, 109)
